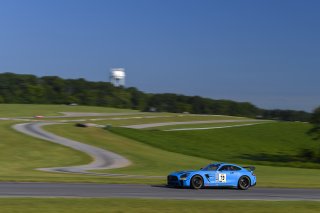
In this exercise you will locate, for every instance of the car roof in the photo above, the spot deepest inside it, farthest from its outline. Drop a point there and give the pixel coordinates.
(223, 164)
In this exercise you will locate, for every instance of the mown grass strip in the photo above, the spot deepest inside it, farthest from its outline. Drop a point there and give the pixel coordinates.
(74, 205)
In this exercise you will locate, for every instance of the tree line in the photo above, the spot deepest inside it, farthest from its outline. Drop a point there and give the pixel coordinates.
(30, 89)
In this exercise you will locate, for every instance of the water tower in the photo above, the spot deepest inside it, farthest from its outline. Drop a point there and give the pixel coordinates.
(117, 77)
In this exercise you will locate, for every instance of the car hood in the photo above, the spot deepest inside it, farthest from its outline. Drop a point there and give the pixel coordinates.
(182, 172)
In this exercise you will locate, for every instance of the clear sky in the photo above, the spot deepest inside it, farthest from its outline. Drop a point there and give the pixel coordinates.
(266, 52)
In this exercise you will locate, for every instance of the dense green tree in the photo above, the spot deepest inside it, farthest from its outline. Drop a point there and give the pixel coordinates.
(286, 115)
(315, 121)
(16, 88)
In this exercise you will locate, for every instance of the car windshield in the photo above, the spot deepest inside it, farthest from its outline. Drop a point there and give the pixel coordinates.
(211, 167)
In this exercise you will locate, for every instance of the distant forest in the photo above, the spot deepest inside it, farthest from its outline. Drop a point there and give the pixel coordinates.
(30, 89)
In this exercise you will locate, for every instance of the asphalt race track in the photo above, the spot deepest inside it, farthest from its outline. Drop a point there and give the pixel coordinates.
(149, 191)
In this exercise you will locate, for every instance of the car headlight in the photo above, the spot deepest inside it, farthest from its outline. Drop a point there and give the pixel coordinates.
(184, 176)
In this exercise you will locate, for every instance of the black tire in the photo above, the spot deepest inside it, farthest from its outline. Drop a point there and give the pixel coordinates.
(196, 182)
(244, 183)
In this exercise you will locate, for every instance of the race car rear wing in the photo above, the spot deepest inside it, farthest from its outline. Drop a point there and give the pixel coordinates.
(250, 168)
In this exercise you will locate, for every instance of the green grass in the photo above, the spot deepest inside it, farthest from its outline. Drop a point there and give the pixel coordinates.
(267, 144)
(27, 110)
(76, 205)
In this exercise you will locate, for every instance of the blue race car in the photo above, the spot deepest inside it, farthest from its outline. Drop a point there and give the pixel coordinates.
(214, 175)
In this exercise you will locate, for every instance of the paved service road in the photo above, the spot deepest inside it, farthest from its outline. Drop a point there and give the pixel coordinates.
(143, 126)
(102, 159)
(147, 191)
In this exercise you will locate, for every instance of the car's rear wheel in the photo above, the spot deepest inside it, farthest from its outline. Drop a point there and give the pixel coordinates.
(196, 182)
(244, 183)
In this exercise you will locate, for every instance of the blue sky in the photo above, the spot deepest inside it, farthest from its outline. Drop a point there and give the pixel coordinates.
(262, 51)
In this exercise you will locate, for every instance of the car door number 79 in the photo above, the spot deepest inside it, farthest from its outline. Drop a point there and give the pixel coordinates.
(222, 178)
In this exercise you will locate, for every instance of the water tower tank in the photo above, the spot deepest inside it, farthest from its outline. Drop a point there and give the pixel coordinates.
(117, 76)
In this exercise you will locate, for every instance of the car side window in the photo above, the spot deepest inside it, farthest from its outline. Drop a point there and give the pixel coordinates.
(229, 168)
(235, 168)
(224, 168)
(212, 168)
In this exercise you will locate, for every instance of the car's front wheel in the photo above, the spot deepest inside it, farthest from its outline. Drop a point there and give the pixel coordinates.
(196, 182)
(244, 183)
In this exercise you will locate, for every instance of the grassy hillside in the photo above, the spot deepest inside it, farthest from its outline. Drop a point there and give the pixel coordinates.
(20, 155)
(155, 152)
(268, 144)
(150, 160)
